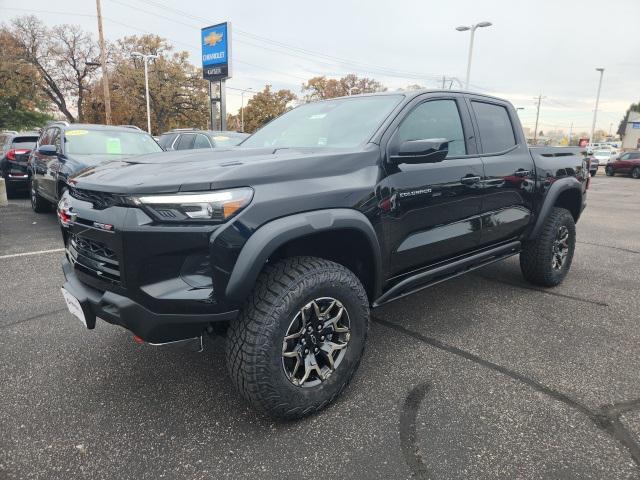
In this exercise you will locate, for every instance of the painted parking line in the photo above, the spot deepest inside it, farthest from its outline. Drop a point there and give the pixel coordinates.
(26, 254)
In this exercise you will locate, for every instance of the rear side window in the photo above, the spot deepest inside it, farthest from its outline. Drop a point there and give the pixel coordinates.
(435, 119)
(496, 131)
(185, 142)
(201, 142)
(634, 156)
(167, 139)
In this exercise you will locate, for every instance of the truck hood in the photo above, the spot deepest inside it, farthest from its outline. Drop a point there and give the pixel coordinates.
(199, 170)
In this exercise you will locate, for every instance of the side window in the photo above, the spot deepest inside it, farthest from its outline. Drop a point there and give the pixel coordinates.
(626, 156)
(634, 156)
(435, 119)
(45, 138)
(496, 131)
(167, 139)
(185, 142)
(201, 142)
(55, 140)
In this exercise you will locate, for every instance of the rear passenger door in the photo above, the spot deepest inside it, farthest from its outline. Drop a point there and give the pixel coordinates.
(509, 171)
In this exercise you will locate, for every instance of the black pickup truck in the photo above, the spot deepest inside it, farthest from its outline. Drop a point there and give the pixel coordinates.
(334, 208)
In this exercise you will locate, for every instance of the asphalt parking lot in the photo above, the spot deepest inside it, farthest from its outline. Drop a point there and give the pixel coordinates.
(481, 377)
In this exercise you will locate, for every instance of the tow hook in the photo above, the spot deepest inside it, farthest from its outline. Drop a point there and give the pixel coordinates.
(188, 344)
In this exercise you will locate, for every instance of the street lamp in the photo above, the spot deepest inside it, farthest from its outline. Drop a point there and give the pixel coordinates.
(473, 32)
(595, 112)
(146, 83)
(242, 108)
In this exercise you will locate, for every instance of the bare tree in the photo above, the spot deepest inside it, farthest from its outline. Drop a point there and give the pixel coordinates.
(62, 57)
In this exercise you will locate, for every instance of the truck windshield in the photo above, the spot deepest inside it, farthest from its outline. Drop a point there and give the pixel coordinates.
(109, 142)
(344, 122)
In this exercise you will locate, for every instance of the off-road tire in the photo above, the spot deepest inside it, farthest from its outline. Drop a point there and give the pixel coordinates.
(635, 173)
(536, 256)
(38, 203)
(255, 339)
(609, 171)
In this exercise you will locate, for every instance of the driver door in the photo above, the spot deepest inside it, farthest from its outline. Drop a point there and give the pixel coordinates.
(430, 211)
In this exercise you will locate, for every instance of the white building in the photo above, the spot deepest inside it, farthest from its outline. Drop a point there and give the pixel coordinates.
(631, 139)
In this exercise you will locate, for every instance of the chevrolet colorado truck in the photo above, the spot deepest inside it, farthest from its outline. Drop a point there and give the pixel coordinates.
(288, 240)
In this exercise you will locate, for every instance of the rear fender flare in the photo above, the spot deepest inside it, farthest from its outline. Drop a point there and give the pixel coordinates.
(550, 198)
(269, 237)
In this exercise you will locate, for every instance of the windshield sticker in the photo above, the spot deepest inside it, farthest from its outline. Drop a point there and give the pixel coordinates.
(317, 116)
(113, 146)
(71, 133)
(221, 138)
(322, 141)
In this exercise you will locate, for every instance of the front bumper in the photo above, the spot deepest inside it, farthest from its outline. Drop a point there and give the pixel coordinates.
(120, 310)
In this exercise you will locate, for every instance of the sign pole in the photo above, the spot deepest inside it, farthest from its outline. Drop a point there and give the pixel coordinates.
(212, 105)
(223, 105)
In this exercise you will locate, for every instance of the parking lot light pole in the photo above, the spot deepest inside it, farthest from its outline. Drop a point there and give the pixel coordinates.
(473, 28)
(146, 83)
(595, 111)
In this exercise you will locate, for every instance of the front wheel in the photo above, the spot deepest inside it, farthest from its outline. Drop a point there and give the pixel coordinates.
(635, 173)
(299, 338)
(609, 171)
(546, 260)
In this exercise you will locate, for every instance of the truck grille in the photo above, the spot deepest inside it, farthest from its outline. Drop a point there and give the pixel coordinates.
(94, 258)
(99, 200)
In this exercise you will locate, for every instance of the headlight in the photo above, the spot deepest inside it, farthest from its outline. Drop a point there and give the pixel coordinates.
(210, 206)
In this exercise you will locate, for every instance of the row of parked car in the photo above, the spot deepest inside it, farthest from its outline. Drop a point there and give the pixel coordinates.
(42, 162)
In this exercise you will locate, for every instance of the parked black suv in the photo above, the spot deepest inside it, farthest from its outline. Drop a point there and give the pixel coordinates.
(64, 150)
(15, 148)
(188, 139)
(333, 208)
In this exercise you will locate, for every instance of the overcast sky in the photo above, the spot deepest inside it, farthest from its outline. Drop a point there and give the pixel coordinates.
(538, 47)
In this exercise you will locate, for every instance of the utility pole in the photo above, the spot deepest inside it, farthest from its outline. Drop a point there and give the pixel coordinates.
(242, 92)
(595, 111)
(535, 132)
(570, 132)
(103, 61)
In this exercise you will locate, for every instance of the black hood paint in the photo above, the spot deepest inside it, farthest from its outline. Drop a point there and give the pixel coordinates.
(198, 170)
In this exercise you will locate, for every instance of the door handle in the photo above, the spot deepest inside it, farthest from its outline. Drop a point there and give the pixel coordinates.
(522, 173)
(470, 180)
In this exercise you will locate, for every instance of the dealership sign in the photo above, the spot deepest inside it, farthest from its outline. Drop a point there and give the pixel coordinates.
(216, 51)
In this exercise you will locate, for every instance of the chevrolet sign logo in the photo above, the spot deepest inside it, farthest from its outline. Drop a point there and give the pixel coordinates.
(212, 39)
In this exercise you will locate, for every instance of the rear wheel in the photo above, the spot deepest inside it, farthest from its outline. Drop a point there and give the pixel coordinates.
(635, 173)
(38, 203)
(546, 260)
(299, 337)
(609, 171)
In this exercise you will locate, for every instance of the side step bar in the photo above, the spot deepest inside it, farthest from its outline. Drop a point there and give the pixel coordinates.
(445, 272)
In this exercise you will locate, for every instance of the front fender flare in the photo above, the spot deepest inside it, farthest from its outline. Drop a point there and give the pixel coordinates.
(269, 237)
(559, 186)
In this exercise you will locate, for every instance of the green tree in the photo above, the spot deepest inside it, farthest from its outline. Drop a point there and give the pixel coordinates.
(178, 94)
(63, 59)
(321, 88)
(22, 105)
(263, 107)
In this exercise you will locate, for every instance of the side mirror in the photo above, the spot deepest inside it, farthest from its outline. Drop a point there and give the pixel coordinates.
(429, 150)
(49, 150)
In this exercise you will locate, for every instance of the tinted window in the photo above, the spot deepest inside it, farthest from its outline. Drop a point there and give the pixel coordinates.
(345, 122)
(435, 119)
(496, 132)
(634, 156)
(185, 142)
(24, 142)
(228, 140)
(201, 142)
(166, 140)
(46, 137)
